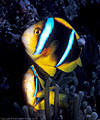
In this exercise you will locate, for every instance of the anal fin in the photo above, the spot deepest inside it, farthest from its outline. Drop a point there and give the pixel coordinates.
(79, 62)
(69, 67)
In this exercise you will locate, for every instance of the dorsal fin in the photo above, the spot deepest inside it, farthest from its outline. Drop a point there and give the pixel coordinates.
(62, 21)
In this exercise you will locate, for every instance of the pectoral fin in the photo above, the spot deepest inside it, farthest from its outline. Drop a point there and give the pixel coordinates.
(49, 69)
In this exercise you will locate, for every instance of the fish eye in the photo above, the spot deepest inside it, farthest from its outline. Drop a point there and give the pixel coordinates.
(37, 31)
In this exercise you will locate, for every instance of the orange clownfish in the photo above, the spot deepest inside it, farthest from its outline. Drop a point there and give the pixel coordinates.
(53, 44)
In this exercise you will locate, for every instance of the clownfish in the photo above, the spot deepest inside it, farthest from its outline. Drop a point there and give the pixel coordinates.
(34, 91)
(53, 44)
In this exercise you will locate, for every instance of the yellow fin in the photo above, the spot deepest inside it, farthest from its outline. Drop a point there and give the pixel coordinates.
(41, 94)
(69, 67)
(49, 69)
(39, 106)
(41, 82)
(64, 22)
(79, 62)
(46, 62)
(42, 63)
(62, 101)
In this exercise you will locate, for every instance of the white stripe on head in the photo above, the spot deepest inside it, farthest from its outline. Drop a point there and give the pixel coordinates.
(69, 46)
(44, 35)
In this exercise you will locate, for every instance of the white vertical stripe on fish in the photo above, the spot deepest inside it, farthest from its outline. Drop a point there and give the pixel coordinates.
(68, 48)
(44, 35)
